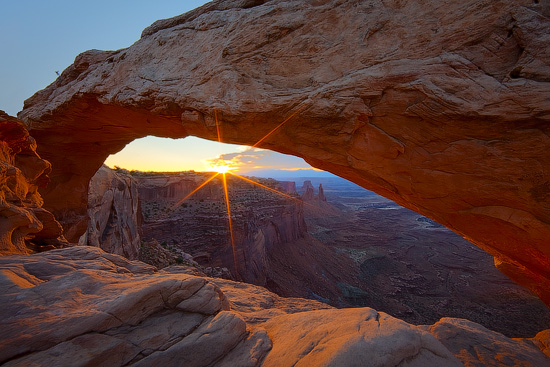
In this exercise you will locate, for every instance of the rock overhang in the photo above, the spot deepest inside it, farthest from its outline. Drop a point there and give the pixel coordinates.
(443, 110)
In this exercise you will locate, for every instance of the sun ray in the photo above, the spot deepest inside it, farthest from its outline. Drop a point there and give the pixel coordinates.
(278, 126)
(194, 191)
(225, 169)
(233, 248)
(259, 184)
(267, 188)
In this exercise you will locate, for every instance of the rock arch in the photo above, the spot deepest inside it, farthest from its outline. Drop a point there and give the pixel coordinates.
(443, 108)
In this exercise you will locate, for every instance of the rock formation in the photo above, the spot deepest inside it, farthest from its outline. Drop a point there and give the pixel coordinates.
(114, 212)
(24, 223)
(81, 306)
(287, 187)
(442, 108)
(308, 192)
(321, 195)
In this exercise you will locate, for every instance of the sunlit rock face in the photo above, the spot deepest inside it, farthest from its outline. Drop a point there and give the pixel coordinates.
(115, 213)
(24, 224)
(81, 307)
(441, 107)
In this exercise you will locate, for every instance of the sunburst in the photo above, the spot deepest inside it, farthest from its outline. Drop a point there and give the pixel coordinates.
(222, 169)
(225, 168)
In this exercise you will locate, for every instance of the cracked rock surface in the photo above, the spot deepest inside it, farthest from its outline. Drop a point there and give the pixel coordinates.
(81, 306)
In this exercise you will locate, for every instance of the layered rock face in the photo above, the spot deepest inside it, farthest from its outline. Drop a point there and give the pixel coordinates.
(442, 108)
(24, 223)
(269, 245)
(262, 221)
(115, 213)
(81, 306)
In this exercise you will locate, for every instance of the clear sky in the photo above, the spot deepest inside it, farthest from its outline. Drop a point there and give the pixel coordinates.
(40, 37)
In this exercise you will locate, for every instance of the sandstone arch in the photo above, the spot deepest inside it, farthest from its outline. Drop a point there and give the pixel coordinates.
(443, 108)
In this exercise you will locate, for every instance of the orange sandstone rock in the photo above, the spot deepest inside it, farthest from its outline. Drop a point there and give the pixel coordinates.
(82, 306)
(442, 107)
(22, 172)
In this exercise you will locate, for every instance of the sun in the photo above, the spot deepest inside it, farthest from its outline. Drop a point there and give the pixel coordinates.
(222, 168)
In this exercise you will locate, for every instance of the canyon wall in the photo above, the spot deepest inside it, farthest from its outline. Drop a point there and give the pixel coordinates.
(130, 211)
(25, 226)
(269, 244)
(114, 213)
(441, 107)
(262, 220)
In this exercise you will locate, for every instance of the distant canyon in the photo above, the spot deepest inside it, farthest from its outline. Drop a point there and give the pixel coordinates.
(333, 242)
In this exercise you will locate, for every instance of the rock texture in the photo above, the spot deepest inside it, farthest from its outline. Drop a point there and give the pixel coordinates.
(81, 306)
(114, 213)
(442, 108)
(24, 224)
(477, 346)
(542, 340)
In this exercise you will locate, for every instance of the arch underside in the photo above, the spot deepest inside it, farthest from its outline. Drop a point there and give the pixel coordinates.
(434, 123)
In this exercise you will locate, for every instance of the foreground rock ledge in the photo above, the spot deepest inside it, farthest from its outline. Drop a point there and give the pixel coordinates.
(441, 107)
(81, 306)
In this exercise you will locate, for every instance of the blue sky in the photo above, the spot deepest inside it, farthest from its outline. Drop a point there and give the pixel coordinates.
(39, 37)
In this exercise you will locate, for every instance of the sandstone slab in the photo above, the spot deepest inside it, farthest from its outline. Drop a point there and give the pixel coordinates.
(81, 306)
(351, 337)
(475, 345)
